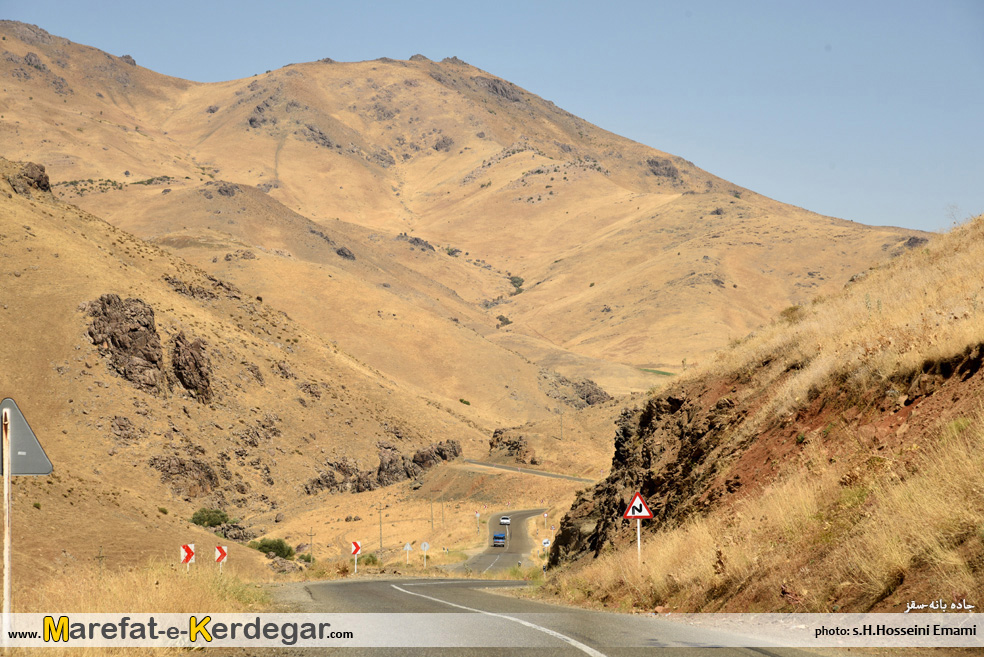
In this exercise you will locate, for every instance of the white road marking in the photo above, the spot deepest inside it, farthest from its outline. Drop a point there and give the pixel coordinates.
(491, 564)
(577, 644)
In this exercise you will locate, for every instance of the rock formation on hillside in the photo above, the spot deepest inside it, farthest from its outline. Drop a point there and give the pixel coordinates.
(31, 177)
(393, 468)
(192, 366)
(125, 332)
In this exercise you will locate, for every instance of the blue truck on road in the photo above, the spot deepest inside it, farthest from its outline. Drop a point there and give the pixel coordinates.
(498, 540)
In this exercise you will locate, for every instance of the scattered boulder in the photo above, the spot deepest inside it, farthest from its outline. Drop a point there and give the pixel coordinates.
(443, 144)
(282, 368)
(423, 245)
(127, 59)
(123, 430)
(192, 367)
(32, 60)
(663, 168)
(240, 254)
(235, 532)
(345, 253)
(279, 517)
(125, 332)
(281, 565)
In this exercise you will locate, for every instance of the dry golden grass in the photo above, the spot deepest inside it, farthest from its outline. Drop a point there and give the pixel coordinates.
(823, 536)
(926, 304)
(156, 588)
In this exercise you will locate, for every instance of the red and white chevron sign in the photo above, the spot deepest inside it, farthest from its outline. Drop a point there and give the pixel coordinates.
(356, 547)
(188, 553)
(220, 553)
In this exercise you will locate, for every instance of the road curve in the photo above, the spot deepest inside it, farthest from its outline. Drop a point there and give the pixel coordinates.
(463, 618)
(518, 543)
(538, 473)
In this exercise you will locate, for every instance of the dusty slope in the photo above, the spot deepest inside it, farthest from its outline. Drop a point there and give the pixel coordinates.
(628, 255)
(831, 462)
(272, 406)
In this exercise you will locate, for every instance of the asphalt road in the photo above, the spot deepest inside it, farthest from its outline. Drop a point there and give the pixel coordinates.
(518, 543)
(538, 473)
(469, 620)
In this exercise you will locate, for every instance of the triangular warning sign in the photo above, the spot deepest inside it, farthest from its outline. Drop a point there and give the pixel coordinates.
(27, 457)
(637, 509)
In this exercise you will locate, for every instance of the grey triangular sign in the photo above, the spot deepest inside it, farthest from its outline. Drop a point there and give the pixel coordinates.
(27, 457)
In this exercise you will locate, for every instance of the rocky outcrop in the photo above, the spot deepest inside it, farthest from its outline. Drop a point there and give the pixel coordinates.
(235, 532)
(31, 177)
(394, 467)
(500, 88)
(125, 332)
(515, 447)
(446, 450)
(443, 144)
(192, 367)
(345, 253)
(423, 245)
(665, 451)
(577, 393)
(188, 477)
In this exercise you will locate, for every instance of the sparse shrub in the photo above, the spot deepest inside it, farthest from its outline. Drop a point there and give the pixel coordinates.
(465, 402)
(276, 545)
(37, 505)
(792, 314)
(452, 251)
(306, 557)
(517, 282)
(210, 517)
(161, 510)
(371, 560)
(503, 321)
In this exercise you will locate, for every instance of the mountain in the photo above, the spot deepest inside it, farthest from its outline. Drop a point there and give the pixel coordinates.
(265, 294)
(627, 257)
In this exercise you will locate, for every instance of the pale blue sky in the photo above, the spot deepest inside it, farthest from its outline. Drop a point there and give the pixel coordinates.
(870, 111)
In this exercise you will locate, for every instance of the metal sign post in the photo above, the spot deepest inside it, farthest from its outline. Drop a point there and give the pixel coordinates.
(22, 455)
(407, 548)
(425, 546)
(6, 525)
(356, 549)
(637, 510)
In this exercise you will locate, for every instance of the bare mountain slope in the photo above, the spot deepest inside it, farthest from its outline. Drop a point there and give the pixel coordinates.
(153, 385)
(627, 254)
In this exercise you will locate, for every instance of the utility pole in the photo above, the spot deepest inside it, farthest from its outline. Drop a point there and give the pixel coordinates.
(562, 425)
(432, 516)
(100, 559)
(379, 507)
(311, 543)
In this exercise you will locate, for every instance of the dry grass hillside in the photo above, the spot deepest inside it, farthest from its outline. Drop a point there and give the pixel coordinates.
(241, 413)
(830, 463)
(628, 257)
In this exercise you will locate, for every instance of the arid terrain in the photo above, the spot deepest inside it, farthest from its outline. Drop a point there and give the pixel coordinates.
(311, 297)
